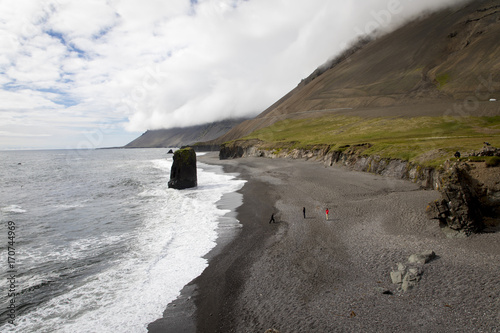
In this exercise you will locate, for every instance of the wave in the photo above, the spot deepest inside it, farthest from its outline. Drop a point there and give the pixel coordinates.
(13, 209)
(137, 272)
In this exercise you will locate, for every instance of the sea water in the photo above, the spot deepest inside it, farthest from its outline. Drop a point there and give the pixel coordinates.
(98, 241)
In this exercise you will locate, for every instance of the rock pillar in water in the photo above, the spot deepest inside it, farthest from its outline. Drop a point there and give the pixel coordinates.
(183, 172)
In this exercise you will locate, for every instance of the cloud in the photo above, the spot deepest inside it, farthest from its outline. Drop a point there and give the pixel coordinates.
(15, 134)
(158, 64)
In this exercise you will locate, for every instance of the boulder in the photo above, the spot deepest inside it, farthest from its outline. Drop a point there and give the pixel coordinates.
(488, 150)
(411, 279)
(183, 172)
(408, 276)
(397, 277)
(459, 208)
(422, 258)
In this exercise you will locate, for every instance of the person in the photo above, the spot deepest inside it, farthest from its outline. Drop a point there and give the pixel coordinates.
(304, 211)
(327, 211)
(272, 220)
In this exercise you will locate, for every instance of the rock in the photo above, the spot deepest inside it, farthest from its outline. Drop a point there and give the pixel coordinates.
(438, 209)
(170, 151)
(459, 208)
(409, 276)
(183, 172)
(488, 150)
(422, 258)
(408, 283)
(397, 277)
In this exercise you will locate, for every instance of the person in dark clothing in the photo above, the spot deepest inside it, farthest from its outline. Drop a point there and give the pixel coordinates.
(272, 220)
(304, 211)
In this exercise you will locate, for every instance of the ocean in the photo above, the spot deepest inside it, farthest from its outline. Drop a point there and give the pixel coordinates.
(95, 241)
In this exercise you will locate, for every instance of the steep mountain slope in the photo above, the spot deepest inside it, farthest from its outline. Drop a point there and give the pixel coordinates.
(443, 64)
(177, 137)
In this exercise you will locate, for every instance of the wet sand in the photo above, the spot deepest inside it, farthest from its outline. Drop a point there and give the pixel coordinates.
(316, 275)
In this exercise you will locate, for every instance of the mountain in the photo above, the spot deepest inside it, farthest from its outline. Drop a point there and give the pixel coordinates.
(444, 63)
(177, 137)
(416, 104)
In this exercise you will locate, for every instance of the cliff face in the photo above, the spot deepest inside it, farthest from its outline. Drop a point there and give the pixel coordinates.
(351, 157)
(467, 200)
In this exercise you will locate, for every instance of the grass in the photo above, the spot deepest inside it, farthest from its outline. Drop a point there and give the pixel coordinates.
(426, 140)
(442, 79)
(493, 161)
(490, 161)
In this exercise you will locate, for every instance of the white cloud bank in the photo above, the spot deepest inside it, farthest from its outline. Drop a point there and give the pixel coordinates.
(73, 67)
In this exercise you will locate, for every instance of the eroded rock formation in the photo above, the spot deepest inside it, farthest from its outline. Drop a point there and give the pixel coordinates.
(459, 209)
(183, 172)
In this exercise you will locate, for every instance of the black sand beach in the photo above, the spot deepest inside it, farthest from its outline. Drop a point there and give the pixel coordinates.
(318, 275)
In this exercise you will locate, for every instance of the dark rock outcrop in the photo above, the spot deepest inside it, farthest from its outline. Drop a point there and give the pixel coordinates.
(183, 172)
(351, 157)
(460, 208)
(240, 148)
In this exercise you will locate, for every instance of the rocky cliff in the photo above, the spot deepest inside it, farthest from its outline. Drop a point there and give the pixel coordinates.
(470, 188)
(350, 156)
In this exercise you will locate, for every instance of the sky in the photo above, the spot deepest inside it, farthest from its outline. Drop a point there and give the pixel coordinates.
(97, 73)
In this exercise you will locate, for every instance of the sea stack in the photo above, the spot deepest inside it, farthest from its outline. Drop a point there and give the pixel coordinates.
(183, 172)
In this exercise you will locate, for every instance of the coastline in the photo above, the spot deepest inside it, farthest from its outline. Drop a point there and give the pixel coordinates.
(205, 303)
(334, 276)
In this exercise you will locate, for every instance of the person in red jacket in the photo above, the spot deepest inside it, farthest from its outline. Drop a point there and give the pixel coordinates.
(327, 211)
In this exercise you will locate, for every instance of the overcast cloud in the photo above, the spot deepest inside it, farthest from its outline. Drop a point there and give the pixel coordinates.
(86, 74)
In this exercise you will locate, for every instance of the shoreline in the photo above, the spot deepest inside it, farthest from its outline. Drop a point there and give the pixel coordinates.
(334, 275)
(214, 291)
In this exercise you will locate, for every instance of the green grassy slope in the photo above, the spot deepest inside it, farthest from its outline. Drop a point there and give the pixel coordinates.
(425, 140)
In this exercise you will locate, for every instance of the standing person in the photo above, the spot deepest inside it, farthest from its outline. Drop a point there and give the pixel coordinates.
(272, 220)
(304, 211)
(327, 211)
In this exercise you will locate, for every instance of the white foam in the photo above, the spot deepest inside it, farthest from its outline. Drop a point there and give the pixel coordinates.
(166, 253)
(69, 206)
(13, 209)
